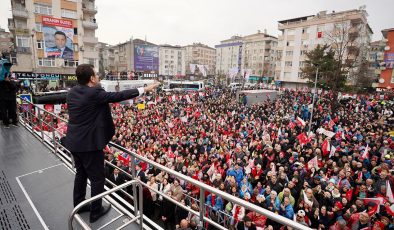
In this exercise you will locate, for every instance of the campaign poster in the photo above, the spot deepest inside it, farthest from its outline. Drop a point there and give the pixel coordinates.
(146, 58)
(58, 38)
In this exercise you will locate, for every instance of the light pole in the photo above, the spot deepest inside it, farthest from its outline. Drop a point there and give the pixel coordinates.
(313, 102)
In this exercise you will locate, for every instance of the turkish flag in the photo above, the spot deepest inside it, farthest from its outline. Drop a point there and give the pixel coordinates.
(303, 139)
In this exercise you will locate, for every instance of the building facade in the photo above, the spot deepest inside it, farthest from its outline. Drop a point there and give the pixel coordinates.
(106, 58)
(259, 56)
(5, 42)
(172, 61)
(50, 38)
(386, 80)
(346, 29)
(229, 56)
(202, 55)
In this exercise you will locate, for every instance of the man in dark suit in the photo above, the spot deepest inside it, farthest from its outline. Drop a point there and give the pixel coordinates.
(90, 128)
(116, 177)
(140, 174)
(61, 50)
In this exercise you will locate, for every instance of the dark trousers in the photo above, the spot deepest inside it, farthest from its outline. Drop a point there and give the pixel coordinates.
(89, 165)
(9, 112)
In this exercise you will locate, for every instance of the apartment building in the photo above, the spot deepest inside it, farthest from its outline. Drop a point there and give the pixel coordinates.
(386, 78)
(138, 56)
(106, 58)
(172, 61)
(302, 34)
(229, 56)
(259, 56)
(254, 54)
(5, 42)
(202, 55)
(51, 37)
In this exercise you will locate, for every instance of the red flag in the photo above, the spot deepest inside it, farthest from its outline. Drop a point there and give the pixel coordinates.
(349, 194)
(390, 210)
(377, 200)
(291, 125)
(325, 147)
(303, 139)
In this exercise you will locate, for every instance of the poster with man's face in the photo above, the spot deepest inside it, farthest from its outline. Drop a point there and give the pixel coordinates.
(58, 37)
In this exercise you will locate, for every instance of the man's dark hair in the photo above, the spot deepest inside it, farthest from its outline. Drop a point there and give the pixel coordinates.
(84, 72)
(61, 33)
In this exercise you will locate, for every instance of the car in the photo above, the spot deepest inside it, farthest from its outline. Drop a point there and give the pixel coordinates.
(235, 85)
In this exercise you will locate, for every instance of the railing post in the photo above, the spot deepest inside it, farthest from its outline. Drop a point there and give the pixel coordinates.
(53, 135)
(133, 173)
(40, 123)
(141, 205)
(202, 207)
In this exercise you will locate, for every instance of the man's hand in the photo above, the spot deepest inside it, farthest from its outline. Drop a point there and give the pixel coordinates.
(152, 87)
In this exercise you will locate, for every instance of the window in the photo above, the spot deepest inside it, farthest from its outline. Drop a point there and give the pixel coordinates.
(69, 14)
(303, 52)
(304, 43)
(288, 64)
(289, 53)
(290, 32)
(302, 64)
(47, 62)
(290, 43)
(42, 9)
(38, 27)
(22, 41)
(40, 44)
(305, 30)
(70, 63)
(287, 74)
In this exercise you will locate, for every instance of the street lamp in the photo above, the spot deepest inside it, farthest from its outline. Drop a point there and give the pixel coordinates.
(313, 100)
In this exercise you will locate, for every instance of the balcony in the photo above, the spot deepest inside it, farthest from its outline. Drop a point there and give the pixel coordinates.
(89, 25)
(90, 54)
(23, 50)
(90, 40)
(20, 13)
(89, 9)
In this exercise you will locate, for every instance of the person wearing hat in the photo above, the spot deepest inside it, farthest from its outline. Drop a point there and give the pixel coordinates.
(300, 218)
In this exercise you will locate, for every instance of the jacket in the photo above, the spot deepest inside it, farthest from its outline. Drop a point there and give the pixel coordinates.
(90, 126)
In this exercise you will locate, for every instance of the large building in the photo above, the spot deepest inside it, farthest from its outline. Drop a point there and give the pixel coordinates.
(5, 42)
(172, 61)
(201, 55)
(259, 56)
(386, 79)
(138, 56)
(106, 58)
(229, 56)
(252, 55)
(346, 29)
(52, 37)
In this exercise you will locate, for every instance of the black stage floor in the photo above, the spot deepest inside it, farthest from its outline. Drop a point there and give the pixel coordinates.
(36, 187)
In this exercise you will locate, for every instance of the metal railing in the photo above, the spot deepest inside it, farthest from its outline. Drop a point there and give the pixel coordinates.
(85, 202)
(32, 121)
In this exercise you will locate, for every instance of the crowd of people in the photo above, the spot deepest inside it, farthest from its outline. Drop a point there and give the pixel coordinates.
(339, 176)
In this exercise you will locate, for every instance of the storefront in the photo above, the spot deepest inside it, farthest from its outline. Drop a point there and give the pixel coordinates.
(46, 81)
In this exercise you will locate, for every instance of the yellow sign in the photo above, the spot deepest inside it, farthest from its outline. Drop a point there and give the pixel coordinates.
(141, 106)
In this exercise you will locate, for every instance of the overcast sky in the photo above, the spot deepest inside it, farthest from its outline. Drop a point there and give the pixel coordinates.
(182, 22)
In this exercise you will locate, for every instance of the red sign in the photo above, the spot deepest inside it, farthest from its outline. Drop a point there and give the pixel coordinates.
(49, 21)
(319, 34)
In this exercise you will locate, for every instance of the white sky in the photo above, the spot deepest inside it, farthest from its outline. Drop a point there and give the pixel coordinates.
(182, 22)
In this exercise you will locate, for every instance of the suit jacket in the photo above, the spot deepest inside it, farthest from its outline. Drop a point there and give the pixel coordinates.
(67, 53)
(119, 179)
(90, 126)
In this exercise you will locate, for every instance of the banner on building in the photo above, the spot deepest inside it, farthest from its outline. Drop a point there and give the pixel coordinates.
(199, 70)
(146, 58)
(58, 37)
